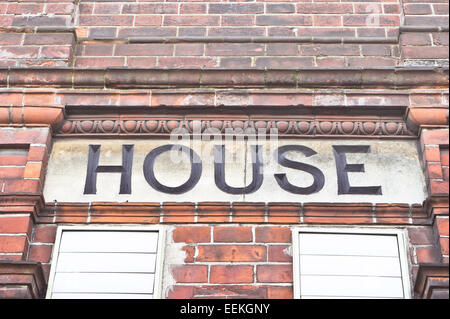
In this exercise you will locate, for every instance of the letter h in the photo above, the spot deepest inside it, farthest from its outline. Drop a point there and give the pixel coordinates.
(90, 187)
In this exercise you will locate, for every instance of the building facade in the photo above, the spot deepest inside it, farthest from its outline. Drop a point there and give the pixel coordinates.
(224, 149)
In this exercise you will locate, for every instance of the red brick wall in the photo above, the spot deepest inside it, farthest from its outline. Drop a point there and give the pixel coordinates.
(130, 33)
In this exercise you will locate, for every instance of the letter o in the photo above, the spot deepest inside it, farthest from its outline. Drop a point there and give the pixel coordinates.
(196, 169)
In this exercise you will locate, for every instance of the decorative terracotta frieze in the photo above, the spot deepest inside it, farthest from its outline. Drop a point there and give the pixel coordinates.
(308, 126)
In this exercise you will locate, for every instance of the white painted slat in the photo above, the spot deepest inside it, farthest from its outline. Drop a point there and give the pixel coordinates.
(100, 296)
(350, 265)
(106, 262)
(351, 286)
(348, 244)
(103, 283)
(109, 241)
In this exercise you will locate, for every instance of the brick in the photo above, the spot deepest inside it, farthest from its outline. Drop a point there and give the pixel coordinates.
(107, 8)
(182, 99)
(13, 157)
(284, 63)
(330, 62)
(421, 235)
(235, 63)
(45, 234)
(213, 212)
(38, 99)
(232, 49)
(278, 253)
(187, 62)
(192, 31)
(231, 253)
(376, 50)
(148, 20)
(152, 8)
(15, 292)
(434, 171)
(248, 212)
(327, 21)
(13, 244)
(274, 292)
(99, 50)
(281, 49)
(284, 213)
(190, 273)
(47, 21)
(425, 53)
(280, 8)
(192, 235)
(239, 234)
(22, 186)
(440, 39)
(19, 52)
(191, 20)
(441, 8)
(99, 62)
(442, 226)
(236, 32)
(144, 49)
(273, 234)
(236, 8)
(180, 292)
(11, 172)
(435, 137)
(444, 245)
(48, 38)
(324, 8)
(190, 253)
(33, 170)
(427, 255)
(417, 8)
(283, 20)
(147, 32)
(142, 62)
(60, 8)
(10, 38)
(15, 224)
(192, 8)
(189, 49)
(236, 20)
(425, 20)
(71, 212)
(178, 212)
(274, 273)
(329, 49)
(106, 20)
(444, 155)
(392, 8)
(37, 153)
(40, 253)
(231, 274)
(392, 213)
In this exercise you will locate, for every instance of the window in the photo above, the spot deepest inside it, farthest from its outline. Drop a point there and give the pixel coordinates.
(106, 262)
(350, 263)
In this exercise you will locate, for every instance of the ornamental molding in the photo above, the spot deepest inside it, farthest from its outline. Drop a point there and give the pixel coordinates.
(312, 126)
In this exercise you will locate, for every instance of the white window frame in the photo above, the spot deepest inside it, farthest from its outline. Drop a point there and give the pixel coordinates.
(159, 253)
(402, 247)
